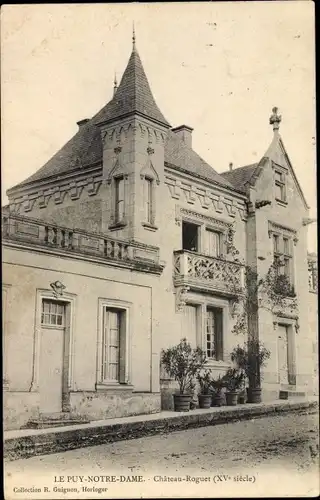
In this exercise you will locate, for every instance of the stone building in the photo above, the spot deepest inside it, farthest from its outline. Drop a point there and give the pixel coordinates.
(124, 242)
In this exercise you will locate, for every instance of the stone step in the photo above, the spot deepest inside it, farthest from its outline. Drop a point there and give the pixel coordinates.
(286, 394)
(44, 421)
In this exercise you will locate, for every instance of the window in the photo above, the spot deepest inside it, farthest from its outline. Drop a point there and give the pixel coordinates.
(313, 276)
(119, 199)
(113, 345)
(283, 255)
(147, 193)
(214, 334)
(190, 236)
(53, 313)
(280, 186)
(213, 243)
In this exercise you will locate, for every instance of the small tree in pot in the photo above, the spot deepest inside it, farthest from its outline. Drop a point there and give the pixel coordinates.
(205, 395)
(216, 387)
(233, 382)
(250, 358)
(183, 363)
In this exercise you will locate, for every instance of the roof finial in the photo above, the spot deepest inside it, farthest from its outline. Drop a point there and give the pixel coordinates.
(275, 119)
(115, 83)
(133, 37)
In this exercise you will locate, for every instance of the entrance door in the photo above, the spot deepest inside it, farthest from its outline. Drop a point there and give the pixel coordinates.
(283, 354)
(51, 356)
(189, 324)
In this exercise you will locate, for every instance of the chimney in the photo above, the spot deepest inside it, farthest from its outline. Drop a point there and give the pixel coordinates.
(230, 166)
(185, 133)
(81, 123)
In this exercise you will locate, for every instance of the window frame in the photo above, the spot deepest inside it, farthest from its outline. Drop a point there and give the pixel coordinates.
(280, 183)
(124, 378)
(217, 356)
(285, 255)
(214, 303)
(209, 229)
(117, 218)
(148, 196)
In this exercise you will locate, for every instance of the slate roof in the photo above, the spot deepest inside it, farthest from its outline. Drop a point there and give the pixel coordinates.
(178, 154)
(240, 176)
(132, 96)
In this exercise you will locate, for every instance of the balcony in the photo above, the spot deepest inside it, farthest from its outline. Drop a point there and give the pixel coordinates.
(208, 274)
(37, 235)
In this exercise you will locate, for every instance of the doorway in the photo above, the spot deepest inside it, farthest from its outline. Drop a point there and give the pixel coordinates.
(54, 346)
(286, 356)
(190, 236)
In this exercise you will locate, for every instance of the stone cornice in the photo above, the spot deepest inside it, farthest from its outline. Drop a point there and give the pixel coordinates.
(208, 198)
(87, 182)
(179, 172)
(54, 180)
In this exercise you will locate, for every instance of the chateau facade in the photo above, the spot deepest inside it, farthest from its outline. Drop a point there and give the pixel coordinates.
(126, 241)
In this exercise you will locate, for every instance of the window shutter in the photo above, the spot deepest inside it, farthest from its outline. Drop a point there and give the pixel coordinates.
(219, 336)
(123, 349)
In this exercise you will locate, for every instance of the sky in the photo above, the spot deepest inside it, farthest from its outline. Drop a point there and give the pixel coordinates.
(217, 67)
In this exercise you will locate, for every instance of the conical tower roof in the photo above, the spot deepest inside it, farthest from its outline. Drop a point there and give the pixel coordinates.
(133, 95)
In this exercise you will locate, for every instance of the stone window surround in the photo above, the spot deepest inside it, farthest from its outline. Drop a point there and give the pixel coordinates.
(127, 308)
(70, 302)
(114, 224)
(202, 303)
(149, 173)
(205, 222)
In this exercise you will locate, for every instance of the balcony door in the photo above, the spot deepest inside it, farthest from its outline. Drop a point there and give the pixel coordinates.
(190, 236)
(212, 242)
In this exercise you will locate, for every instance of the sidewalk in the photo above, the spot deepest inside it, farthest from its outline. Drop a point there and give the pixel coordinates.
(25, 443)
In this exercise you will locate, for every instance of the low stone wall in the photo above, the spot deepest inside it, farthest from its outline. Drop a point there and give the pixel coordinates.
(54, 441)
(18, 408)
(113, 404)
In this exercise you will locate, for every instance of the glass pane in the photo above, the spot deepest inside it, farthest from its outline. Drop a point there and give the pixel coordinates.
(279, 192)
(213, 243)
(275, 243)
(286, 246)
(46, 306)
(120, 189)
(59, 320)
(278, 176)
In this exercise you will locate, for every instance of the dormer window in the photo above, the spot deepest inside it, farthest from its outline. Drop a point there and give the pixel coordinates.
(280, 186)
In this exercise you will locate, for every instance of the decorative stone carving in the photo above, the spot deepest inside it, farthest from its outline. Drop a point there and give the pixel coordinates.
(181, 294)
(149, 171)
(75, 190)
(58, 196)
(221, 273)
(274, 227)
(92, 186)
(57, 288)
(185, 212)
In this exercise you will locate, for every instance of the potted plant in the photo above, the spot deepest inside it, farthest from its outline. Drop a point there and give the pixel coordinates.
(183, 363)
(205, 395)
(233, 382)
(216, 387)
(239, 356)
(250, 358)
